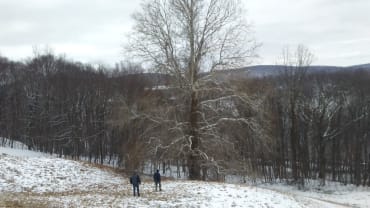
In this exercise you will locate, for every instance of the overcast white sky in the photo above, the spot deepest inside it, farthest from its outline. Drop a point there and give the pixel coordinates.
(336, 31)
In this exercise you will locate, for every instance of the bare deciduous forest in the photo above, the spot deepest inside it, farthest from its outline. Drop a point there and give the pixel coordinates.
(293, 126)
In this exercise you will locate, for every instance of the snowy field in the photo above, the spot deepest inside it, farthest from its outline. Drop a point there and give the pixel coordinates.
(31, 179)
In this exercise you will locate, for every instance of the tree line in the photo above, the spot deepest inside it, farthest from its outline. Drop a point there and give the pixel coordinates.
(320, 125)
(68, 108)
(293, 126)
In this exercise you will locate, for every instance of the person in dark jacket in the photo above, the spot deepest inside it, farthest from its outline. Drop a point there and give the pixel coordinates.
(135, 181)
(157, 180)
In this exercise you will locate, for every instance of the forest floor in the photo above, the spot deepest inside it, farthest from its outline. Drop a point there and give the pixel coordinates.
(31, 179)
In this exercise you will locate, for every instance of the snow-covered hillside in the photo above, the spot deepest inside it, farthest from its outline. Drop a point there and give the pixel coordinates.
(30, 179)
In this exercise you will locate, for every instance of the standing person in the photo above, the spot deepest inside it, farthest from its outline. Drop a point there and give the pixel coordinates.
(157, 180)
(135, 181)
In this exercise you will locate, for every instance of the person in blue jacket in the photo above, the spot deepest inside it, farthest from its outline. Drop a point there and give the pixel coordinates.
(135, 181)
(157, 180)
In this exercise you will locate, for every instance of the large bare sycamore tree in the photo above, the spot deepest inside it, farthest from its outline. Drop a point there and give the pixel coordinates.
(189, 40)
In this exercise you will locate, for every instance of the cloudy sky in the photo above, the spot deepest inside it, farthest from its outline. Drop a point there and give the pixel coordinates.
(336, 31)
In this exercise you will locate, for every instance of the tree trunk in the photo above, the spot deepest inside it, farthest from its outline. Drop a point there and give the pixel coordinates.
(293, 140)
(322, 162)
(194, 158)
(334, 160)
(358, 161)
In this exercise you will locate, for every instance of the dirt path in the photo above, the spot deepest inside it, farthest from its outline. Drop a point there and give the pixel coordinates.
(313, 202)
(321, 202)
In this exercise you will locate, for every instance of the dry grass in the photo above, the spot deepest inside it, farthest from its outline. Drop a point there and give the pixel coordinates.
(21, 200)
(54, 199)
(90, 196)
(46, 200)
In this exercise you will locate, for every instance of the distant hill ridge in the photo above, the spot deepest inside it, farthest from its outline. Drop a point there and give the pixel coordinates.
(250, 71)
(271, 70)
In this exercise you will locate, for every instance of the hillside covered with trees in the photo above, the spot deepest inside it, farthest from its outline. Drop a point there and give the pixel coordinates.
(292, 126)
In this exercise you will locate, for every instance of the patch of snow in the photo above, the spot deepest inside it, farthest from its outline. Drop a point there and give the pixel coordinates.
(66, 183)
(20, 152)
(333, 193)
(37, 177)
